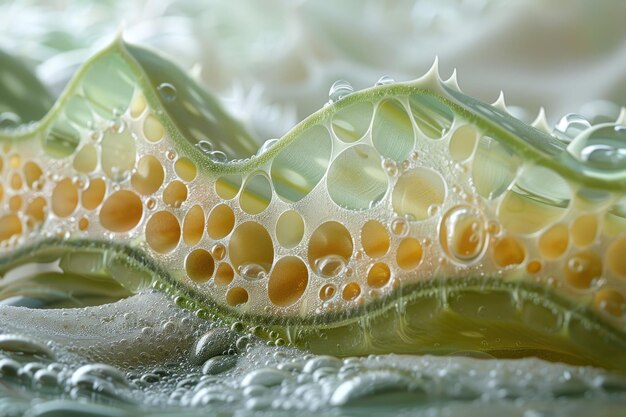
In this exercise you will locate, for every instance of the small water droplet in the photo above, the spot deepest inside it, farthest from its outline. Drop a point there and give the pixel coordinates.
(118, 126)
(339, 90)
(98, 371)
(9, 119)
(45, 378)
(328, 291)
(167, 92)
(265, 377)
(385, 80)
(252, 271)
(577, 264)
(24, 345)
(169, 326)
(80, 181)
(119, 175)
(96, 136)
(602, 148)
(218, 251)
(433, 209)
(151, 203)
(493, 228)
(266, 146)
(604, 156)
(400, 226)
(217, 156)
(390, 167)
(219, 364)
(215, 342)
(570, 126)
(242, 343)
(205, 146)
(330, 266)
(462, 232)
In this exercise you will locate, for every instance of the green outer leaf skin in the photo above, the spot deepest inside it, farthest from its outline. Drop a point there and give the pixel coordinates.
(36, 104)
(546, 156)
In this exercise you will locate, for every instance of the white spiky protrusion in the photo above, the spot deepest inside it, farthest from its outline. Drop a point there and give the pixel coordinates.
(541, 122)
(431, 80)
(434, 68)
(499, 103)
(621, 118)
(121, 28)
(452, 82)
(195, 72)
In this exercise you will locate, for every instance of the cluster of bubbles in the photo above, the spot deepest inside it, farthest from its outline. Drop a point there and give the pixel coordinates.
(225, 369)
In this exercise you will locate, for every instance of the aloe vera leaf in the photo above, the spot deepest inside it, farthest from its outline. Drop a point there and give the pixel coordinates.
(21, 93)
(451, 216)
(197, 115)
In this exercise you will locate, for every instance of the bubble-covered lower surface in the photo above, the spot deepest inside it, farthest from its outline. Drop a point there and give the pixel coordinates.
(146, 356)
